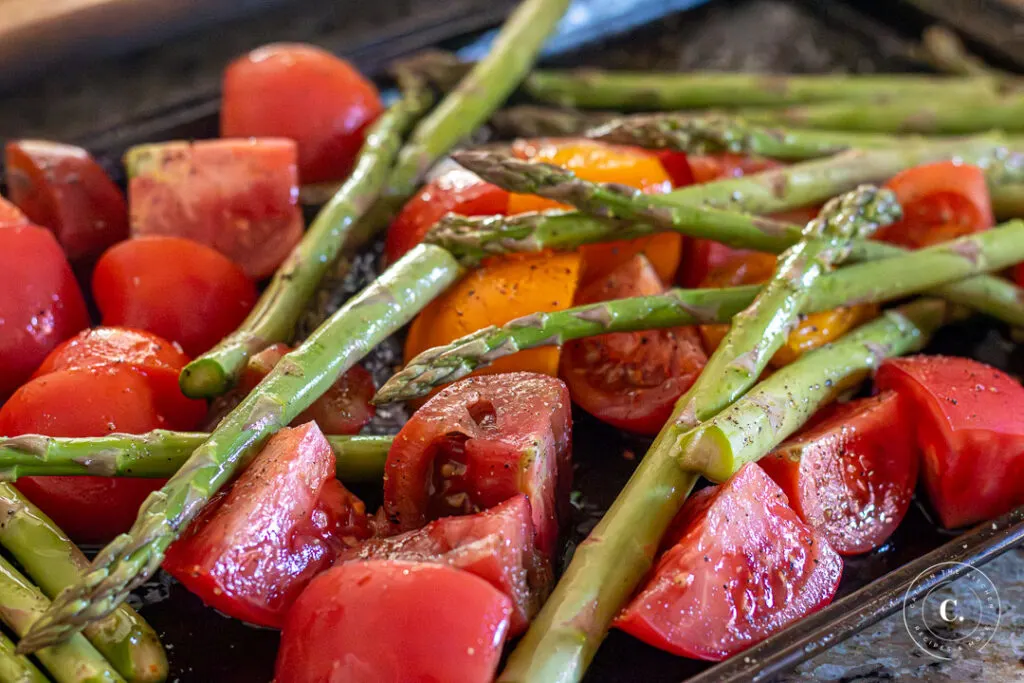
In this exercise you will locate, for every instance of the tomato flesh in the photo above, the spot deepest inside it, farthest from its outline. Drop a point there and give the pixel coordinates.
(969, 430)
(394, 622)
(345, 408)
(40, 302)
(631, 379)
(10, 215)
(851, 474)
(304, 93)
(61, 187)
(175, 288)
(741, 566)
(496, 544)
(238, 196)
(479, 442)
(254, 549)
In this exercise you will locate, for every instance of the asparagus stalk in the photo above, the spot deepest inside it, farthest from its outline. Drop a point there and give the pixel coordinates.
(532, 121)
(303, 375)
(76, 661)
(607, 567)
(947, 53)
(53, 562)
(158, 454)
(274, 317)
(15, 668)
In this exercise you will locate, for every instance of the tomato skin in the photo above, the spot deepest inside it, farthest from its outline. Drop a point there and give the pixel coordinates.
(969, 431)
(304, 93)
(496, 545)
(254, 549)
(394, 622)
(40, 302)
(851, 474)
(741, 566)
(10, 215)
(941, 201)
(677, 166)
(238, 196)
(85, 402)
(1018, 274)
(61, 187)
(456, 191)
(710, 167)
(631, 379)
(175, 288)
(479, 442)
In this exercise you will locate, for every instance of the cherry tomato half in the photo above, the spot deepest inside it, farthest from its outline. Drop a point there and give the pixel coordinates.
(61, 187)
(175, 288)
(304, 93)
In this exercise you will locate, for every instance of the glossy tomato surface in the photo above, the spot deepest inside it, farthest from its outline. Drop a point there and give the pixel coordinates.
(304, 93)
(740, 566)
(61, 187)
(345, 408)
(86, 402)
(175, 288)
(238, 196)
(970, 431)
(497, 545)
(631, 379)
(254, 549)
(478, 443)
(40, 302)
(394, 622)
(851, 473)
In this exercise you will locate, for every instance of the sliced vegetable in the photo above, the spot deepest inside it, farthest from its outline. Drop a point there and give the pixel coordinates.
(10, 215)
(970, 432)
(941, 201)
(501, 290)
(344, 409)
(394, 622)
(40, 302)
(710, 167)
(61, 187)
(254, 549)
(740, 566)
(176, 288)
(677, 166)
(631, 379)
(851, 473)
(238, 196)
(497, 545)
(305, 93)
(478, 443)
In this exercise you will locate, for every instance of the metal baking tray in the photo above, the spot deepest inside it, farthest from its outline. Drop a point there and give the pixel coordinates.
(750, 35)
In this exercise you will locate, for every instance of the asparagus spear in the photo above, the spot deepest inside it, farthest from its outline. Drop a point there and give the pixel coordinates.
(607, 567)
(274, 317)
(76, 661)
(295, 382)
(947, 53)
(15, 668)
(159, 454)
(54, 562)
(532, 121)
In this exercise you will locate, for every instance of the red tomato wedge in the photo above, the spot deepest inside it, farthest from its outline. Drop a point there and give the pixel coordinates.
(175, 288)
(254, 549)
(394, 622)
(708, 167)
(40, 302)
(631, 379)
(455, 191)
(476, 444)
(496, 545)
(970, 431)
(741, 566)
(941, 201)
(851, 474)
(677, 166)
(61, 187)
(345, 408)
(86, 402)
(10, 215)
(157, 359)
(238, 196)
(301, 92)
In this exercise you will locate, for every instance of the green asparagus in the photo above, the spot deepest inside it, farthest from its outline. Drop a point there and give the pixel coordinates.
(295, 382)
(947, 53)
(15, 668)
(607, 567)
(158, 454)
(531, 121)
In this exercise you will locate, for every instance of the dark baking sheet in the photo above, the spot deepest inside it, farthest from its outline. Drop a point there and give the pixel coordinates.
(751, 35)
